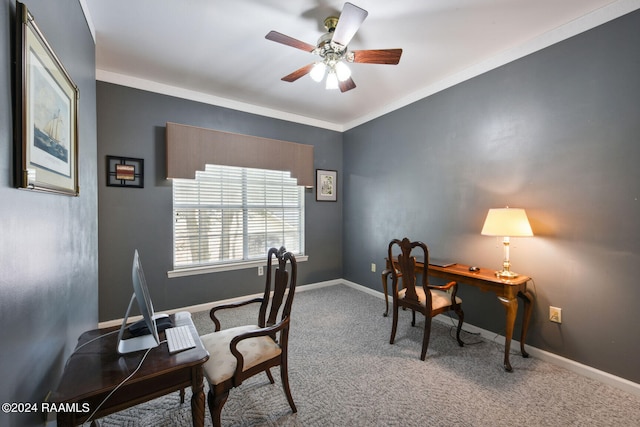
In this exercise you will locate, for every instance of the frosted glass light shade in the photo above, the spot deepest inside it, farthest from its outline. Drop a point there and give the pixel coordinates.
(332, 81)
(317, 72)
(342, 71)
(511, 222)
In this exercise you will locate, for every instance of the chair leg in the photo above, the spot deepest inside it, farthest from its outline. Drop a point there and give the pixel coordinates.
(394, 324)
(284, 375)
(426, 336)
(268, 372)
(216, 402)
(460, 314)
(413, 318)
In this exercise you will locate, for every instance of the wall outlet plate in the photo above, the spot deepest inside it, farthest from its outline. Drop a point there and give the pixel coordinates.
(555, 314)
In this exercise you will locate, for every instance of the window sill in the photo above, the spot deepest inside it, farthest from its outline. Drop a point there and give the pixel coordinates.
(182, 272)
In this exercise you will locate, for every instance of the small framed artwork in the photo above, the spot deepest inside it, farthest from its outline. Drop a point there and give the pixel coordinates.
(125, 172)
(326, 185)
(46, 116)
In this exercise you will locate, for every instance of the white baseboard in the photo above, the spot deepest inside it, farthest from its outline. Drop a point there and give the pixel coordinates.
(571, 365)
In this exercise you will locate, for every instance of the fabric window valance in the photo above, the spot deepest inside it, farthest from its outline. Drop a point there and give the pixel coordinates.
(189, 148)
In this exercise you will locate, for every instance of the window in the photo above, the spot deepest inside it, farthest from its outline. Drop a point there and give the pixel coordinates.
(231, 215)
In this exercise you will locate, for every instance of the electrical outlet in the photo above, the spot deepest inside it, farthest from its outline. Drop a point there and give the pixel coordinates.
(260, 270)
(373, 267)
(555, 314)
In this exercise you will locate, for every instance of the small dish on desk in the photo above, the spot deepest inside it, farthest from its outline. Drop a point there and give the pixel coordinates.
(474, 268)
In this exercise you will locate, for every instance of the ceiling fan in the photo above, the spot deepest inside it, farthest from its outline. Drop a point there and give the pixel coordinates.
(332, 48)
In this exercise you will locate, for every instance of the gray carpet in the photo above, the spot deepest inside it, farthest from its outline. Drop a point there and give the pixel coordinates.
(343, 372)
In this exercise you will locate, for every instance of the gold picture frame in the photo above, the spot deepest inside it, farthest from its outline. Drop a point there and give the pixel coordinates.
(46, 119)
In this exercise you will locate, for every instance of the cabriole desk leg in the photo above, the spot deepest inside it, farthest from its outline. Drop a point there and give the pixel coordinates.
(511, 307)
(527, 297)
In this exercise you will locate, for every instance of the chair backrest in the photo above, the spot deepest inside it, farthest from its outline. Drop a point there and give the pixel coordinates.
(405, 267)
(284, 285)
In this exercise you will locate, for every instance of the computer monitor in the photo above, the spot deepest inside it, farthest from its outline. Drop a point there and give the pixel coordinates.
(141, 295)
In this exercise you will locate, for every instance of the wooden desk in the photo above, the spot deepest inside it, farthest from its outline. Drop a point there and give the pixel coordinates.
(94, 370)
(507, 291)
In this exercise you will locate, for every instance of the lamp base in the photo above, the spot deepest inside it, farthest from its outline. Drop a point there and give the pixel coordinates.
(506, 274)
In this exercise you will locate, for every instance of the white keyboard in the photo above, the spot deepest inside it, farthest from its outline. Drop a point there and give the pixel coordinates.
(179, 338)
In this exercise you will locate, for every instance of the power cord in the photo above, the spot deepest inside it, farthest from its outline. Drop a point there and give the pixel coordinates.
(86, 343)
(454, 327)
(146, 353)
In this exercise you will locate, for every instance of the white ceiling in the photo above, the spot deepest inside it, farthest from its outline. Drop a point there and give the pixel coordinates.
(215, 51)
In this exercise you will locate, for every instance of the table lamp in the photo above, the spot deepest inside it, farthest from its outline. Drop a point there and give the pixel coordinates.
(506, 222)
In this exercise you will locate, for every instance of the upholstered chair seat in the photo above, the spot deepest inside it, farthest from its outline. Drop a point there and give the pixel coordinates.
(439, 299)
(222, 363)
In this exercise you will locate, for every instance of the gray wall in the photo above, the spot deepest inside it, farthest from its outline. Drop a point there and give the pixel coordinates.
(48, 243)
(555, 133)
(132, 123)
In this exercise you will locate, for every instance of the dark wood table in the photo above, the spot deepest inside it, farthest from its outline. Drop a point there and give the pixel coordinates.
(507, 291)
(96, 369)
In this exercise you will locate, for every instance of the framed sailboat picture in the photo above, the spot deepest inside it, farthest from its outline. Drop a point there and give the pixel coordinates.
(46, 129)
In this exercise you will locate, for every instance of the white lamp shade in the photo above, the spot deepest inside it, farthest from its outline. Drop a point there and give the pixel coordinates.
(317, 72)
(507, 222)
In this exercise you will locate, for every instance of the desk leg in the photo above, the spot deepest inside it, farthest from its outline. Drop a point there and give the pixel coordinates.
(527, 297)
(197, 398)
(385, 277)
(511, 307)
(65, 419)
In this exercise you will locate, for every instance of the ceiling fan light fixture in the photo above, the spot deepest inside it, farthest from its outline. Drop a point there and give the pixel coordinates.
(342, 71)
(317, 72)
(332, 80)
(332, 48)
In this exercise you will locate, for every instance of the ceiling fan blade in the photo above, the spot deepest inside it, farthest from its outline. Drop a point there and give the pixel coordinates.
(300, 72)
(289, 41)
(377, 56)
(346, 85)
(348, 23)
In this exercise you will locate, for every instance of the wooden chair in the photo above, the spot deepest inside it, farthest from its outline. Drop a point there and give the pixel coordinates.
(430, 300)
(241, 352)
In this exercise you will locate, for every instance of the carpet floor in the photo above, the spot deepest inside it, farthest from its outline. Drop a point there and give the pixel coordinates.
(344, 372)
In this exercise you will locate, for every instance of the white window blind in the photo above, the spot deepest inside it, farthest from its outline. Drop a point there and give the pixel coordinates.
(231, 214)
